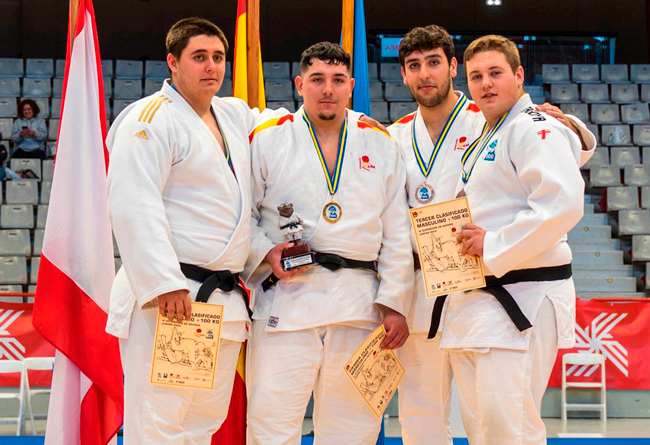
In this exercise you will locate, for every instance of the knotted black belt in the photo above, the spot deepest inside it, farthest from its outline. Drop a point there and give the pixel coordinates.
(330, 261)
(211, 280)
(494, 286)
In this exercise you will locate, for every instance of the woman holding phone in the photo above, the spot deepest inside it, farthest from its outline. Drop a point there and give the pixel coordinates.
(29, 131)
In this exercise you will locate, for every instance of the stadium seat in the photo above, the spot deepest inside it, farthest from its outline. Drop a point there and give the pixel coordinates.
(372, 71)
(460, 86)
(127, 89)
(625, 93)
(390, 72)
(399, 109)
(11, 68)
(41, 216)
(228, 72)
(152, 85)
(59, 68)
(642, 135)
(641, 248)
(108, 87)
(107, 69)
(39, 68)
(48, 169)
(21, 192)
(622, 198)
(379, 111)
(605, 175)
(15, 242)
(555, 73)
(537, 100)
(564, 93)
(600, 157)
(6, 128)
(46, 191)
(289, 105)
(581, 111)
(645, 92)
(38, 241)
(637, 174)
(622, 156)
(645, 197)
(376, 92)
(276, 70)
(8, 107)
(23, 164)
(634, 222)
(397, 92)
(156, 69)
(278, 90)
(17, 216)
(226, 89)
(11, 289)
(128, 69)
(635, 113)
(53, 130)
(640, 73)
(614, 74)
(605, 114)
(13, 270)
(33, 273)
(36, 87)
(56, 108)
(585, 73)
(616, 134)
(295, 69)
(120, 104)
(594, 93)
(57, 87)
(9, 87)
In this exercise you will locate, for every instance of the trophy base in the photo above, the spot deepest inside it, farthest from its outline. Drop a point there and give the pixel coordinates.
(297, 256)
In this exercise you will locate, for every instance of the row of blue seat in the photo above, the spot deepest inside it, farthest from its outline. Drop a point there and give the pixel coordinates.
(599, 93)
(593, 73)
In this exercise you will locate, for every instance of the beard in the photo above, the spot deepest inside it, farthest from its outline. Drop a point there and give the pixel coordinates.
(326, 117)
(436, 99)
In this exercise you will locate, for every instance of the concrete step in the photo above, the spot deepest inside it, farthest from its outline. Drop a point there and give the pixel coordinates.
(594, 244)
(592, 232)
(611, 284)
(598, 257)
(593, 219)
(602, 267)
(589, 208)
(609, 273)
(589, 295)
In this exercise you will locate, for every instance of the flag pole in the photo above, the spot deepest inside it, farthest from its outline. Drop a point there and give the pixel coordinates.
(253, 53)
(74, 13)
(347, 33)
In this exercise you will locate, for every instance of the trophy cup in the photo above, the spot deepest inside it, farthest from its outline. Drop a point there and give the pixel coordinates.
(299, 254)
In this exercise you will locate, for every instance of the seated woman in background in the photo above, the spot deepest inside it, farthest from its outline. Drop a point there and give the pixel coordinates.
(29, 131)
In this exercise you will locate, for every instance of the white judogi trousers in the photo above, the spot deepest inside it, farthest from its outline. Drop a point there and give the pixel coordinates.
(501, 390)
(425, 392)
(284, 368)
(156, 414)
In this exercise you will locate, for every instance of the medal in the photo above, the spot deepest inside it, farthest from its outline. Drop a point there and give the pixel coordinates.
(461, 194)
(424, 193)
(332, 212)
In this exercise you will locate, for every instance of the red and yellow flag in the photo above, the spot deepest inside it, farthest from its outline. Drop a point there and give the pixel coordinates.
(240, 64)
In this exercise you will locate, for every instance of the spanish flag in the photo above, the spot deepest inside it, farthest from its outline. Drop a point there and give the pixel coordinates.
(240, 71)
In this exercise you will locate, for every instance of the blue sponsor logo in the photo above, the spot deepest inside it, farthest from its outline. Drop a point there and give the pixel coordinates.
(491, 154)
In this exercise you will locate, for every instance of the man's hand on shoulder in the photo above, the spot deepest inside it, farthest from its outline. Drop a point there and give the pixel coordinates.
(175, 304)
(373, 122)
(555, 112)
(397, 330)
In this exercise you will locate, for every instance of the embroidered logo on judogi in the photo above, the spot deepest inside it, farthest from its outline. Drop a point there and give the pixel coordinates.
(273, 322)
(364, 163)
(491, 154)
(141, 135)
(461, 143)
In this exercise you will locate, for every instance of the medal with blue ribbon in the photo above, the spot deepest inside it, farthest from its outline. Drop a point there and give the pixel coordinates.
(424, 192)
(473, 148)
(332, 211)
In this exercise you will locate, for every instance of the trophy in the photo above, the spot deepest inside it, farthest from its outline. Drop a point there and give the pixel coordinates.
(299, 254)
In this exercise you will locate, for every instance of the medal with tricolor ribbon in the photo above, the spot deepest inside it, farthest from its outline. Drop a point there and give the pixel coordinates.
(332, 210)
(424, 192)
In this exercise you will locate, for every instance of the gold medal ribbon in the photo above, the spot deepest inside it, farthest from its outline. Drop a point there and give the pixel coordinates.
(332, 180)
(466, 174)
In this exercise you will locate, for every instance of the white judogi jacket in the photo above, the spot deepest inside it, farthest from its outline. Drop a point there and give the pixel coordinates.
(526, 191)
(444, 175)
(286, 168)
(173, 198)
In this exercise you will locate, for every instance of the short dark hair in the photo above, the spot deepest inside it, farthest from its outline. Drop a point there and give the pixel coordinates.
(182, 31)
(497, 43)
(328, 52)
(425, 39)
(29, 102)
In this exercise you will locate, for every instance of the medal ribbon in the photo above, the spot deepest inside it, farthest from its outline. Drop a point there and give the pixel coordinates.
(472, 148)
(332, 181)
(225, 144)
(426, 168)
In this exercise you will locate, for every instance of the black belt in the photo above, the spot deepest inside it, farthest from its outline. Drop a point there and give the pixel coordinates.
(329, 261)
(211, 280)
(494, 286)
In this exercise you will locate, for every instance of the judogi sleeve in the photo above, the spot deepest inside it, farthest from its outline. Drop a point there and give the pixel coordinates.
(547, 170)
(395, 262)
(588, 138)
(137, 175)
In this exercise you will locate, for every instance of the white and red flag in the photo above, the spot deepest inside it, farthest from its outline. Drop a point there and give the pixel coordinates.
(77, 268)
